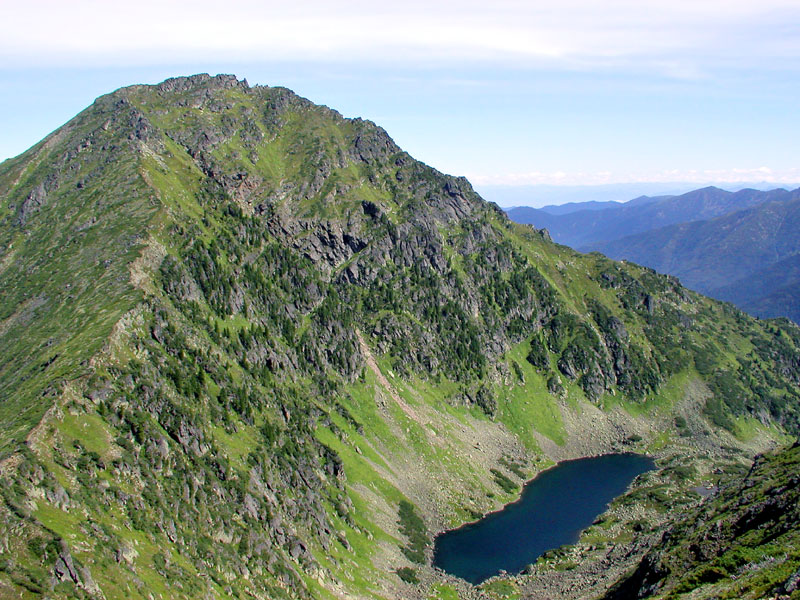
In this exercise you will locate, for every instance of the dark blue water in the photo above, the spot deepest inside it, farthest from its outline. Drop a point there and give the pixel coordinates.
(553, 509)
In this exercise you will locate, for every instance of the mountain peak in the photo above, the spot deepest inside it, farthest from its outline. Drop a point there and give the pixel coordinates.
(240, 332)
(203, 80)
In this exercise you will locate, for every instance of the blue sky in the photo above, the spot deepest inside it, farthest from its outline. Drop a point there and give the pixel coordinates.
(512, 93)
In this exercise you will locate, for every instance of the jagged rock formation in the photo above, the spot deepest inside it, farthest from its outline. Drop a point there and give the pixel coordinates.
(238, 332)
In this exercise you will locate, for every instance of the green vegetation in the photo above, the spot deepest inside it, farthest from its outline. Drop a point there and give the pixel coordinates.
(742, 543)
(515, 467)
(508, 486)
(503, 590)
(240, 333)
(408, 575)
(443, 592)
(413, 527)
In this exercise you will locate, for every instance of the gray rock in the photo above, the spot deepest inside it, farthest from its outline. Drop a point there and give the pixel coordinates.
(33, 202)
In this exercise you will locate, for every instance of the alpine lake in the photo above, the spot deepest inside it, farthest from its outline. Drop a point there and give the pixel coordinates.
(552, 511)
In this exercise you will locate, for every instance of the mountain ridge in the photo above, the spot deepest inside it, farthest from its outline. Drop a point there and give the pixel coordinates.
(588, 229)
(570, 207)
(722, 256)
(242, 335)
(738, 543)
(724, 242)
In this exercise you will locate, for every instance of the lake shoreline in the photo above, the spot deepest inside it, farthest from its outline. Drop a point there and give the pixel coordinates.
(543, 527)
(528, 481)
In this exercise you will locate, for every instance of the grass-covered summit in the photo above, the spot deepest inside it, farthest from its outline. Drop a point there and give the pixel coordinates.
(251, 347)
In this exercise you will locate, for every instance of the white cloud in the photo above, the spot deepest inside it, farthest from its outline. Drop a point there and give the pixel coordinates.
(678, 36)
(735, 175)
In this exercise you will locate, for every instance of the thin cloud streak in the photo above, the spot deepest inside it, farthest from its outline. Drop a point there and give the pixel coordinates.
(757, 174)
(681, 38)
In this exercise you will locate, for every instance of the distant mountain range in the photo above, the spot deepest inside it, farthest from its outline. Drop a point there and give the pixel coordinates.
(742, 246)
(251, 348)
(542, 195)
(592, 205)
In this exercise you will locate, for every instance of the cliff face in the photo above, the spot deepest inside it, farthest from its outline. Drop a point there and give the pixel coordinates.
(248, 346)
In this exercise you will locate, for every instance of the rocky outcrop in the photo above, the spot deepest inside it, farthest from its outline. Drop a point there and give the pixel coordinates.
(742, 539)
(264, 324)
(203, 83)
(32, 203)
(65, 569)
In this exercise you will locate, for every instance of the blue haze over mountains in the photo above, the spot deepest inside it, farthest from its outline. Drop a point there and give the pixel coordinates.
(742, 247)
(560, 199)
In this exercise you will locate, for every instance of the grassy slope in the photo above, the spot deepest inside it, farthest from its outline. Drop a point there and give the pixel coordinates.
(404, 440)
(741, 543)
(64, 279)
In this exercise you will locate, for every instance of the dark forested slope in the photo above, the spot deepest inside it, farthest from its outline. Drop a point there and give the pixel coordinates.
(747, 257)
(251, 347)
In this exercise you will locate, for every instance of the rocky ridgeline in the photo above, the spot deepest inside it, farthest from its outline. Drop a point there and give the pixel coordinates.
(237, 330)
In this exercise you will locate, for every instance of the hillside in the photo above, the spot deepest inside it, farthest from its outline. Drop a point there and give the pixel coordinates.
(250, 348)
(747, 257)
(740, 543)
(593, 229)
(775, 295)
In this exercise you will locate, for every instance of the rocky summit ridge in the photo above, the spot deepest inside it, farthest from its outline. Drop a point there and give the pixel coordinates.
(251, 348)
